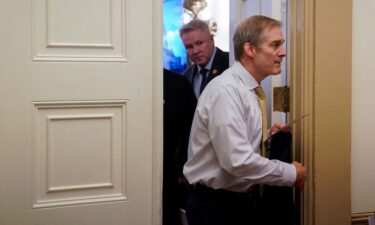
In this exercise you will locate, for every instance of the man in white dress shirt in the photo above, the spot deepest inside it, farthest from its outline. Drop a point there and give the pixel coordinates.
(224, 164)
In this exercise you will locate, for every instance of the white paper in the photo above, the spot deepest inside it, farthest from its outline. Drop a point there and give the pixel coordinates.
(288, 125)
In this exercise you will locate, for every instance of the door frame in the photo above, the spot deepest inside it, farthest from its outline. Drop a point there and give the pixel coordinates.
(320, 66)
(157, 176)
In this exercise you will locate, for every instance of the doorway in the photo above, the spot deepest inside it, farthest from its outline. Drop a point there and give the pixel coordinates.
(277, 9)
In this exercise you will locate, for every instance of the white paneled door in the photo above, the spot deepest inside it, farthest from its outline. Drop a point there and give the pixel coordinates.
(77, 112)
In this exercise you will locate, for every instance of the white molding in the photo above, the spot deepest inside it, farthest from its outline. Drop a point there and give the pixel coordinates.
(157, 130)
(111, 185)
(111, 49)
(78, 201)
(361, 218)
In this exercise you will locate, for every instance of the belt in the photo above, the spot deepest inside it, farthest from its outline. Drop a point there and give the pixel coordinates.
(252, 194)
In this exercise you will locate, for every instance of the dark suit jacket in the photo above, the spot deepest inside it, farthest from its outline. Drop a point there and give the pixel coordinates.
(219, 64)
(179, 106)
(277, 202)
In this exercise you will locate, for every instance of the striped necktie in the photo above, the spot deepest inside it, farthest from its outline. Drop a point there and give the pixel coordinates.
(262, 105)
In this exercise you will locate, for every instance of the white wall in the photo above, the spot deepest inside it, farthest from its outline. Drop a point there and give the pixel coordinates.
(219, 11)
(363, 107)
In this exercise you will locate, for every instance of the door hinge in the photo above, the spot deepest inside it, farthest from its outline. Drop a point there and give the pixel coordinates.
(281, 99)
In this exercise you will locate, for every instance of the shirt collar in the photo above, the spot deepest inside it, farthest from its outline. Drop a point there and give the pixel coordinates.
(245, 76)
(209, 64)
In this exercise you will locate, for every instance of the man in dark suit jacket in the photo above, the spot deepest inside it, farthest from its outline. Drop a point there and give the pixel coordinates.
(209, 61)
(179, 107)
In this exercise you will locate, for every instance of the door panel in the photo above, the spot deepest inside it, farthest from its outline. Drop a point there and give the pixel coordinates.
(76, 112)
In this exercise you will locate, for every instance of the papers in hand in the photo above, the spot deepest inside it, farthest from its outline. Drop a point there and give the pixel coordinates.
(288, 125)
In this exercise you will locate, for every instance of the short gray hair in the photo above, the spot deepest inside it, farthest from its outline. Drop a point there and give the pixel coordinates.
(250, 31)
(195, 24)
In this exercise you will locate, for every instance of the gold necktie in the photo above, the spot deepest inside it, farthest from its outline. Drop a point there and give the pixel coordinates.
(262, 105)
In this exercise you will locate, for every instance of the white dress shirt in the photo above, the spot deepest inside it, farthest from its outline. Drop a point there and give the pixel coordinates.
(226, 135)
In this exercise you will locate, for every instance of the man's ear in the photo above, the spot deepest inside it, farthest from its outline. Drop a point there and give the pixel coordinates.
(249, 50)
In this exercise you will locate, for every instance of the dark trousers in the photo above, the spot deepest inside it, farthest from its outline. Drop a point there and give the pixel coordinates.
(206, 206)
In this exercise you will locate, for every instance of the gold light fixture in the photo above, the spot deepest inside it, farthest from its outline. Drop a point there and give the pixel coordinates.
(195, 6)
